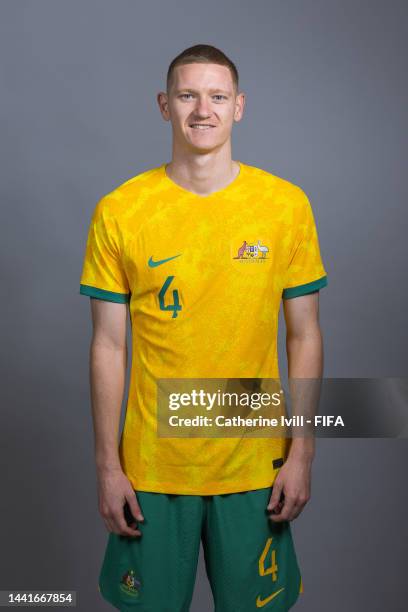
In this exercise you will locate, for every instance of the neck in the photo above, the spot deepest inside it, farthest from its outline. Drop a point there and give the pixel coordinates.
(203, 173)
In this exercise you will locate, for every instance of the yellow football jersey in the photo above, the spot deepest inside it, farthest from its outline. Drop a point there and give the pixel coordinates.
(204, 277)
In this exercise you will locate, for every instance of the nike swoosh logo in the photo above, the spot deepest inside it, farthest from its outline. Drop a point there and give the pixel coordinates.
(260, 603)
(154, 264)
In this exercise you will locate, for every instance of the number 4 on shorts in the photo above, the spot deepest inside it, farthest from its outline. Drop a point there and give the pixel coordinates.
(273, 569)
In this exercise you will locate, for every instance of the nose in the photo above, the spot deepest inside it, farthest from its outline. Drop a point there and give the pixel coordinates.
(202, 109)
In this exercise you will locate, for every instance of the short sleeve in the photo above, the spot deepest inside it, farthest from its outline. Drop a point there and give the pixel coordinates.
(305, 270)
(103, 275)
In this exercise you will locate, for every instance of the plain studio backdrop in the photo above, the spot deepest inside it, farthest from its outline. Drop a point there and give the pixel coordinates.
(326, 109)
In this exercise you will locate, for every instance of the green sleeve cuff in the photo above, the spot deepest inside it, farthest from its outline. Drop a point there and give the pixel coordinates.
(102, 294)
(292, 292)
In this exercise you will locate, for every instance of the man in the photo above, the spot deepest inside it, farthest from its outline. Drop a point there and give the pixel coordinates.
(202, 250)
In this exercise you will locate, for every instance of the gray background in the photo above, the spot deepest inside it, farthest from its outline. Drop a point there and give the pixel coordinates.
(326, 109)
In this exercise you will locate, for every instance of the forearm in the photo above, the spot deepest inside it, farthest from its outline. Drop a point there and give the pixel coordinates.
(305, 361)
(107, 380)
(305, 354)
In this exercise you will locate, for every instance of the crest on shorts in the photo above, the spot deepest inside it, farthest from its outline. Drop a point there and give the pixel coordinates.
(129, 584)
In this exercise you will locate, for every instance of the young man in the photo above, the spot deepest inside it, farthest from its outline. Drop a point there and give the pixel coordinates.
(202, 250)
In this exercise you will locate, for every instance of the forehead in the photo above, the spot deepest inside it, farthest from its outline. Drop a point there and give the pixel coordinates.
(202, 76)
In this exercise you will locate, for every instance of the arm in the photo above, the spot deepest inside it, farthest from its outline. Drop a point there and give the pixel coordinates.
(108, 363)
(304, 348)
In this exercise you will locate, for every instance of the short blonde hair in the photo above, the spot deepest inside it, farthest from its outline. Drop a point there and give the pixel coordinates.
(202, 54)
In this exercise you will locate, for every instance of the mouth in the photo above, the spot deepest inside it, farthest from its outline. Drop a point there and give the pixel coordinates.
(201, 126)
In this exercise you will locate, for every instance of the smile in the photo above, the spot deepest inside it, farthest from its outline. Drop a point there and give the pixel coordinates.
(201, 126)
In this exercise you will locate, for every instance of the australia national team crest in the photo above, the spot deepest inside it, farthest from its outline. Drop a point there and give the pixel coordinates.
(129, 584)
(255, 252)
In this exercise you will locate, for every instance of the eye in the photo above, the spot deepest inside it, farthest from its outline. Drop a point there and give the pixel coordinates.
(185, 95)
(220, 97)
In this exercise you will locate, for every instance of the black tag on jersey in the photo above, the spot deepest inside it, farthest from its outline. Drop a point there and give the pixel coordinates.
(277, 463)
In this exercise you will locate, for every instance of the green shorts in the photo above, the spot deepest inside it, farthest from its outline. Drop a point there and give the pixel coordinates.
(250, 560)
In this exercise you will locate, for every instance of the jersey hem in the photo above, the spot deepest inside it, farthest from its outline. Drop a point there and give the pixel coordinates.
(210, 488)
(102, 294)
(291, 292)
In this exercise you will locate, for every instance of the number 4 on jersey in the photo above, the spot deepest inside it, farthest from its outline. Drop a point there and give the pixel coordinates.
(175, 307)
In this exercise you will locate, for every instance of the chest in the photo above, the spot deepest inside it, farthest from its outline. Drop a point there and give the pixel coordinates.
(226, 254)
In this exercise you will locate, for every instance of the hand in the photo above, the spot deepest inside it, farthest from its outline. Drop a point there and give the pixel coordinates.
(293, 480)
(114, 490)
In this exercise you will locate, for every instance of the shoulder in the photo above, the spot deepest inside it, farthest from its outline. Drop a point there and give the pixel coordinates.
(279, 186)
(127, 194)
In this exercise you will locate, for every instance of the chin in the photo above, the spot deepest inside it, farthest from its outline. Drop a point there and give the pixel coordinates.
(206, 147)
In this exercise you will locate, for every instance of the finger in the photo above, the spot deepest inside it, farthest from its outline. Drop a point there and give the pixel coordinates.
(276, 495)
(121, 527)
(276, 517)
(288, 508)
(126, 530)
(296, 511)
(299, 506)
(108, 522)
(134, 506)
(286, 511)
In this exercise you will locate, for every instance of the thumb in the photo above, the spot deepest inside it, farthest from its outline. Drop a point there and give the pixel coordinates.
(276, 495)
(134, 507)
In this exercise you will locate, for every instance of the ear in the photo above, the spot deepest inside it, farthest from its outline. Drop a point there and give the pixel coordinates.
(239, 106)
(163, 102)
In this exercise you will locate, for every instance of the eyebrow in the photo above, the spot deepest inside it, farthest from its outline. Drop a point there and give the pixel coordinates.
(224, 91)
